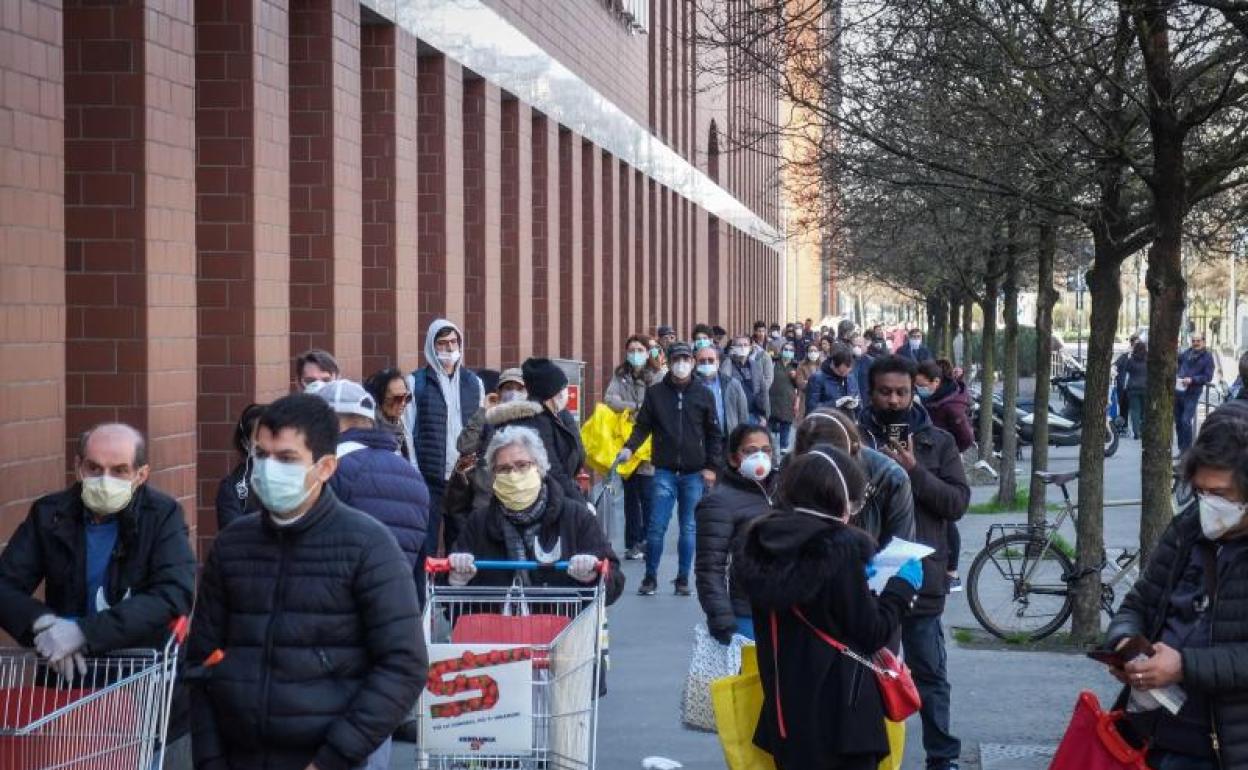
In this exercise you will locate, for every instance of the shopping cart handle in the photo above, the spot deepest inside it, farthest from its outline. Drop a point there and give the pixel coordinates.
(436, 566)
(179, 627)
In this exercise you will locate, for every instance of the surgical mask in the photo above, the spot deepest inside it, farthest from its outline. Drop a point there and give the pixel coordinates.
(561, 400)
(923, 392)
(1219, 515)
(518, 490)
(511, 394)
(636, 359)
(916, 342)
(449, 357)
(707, 370)
(756, 466)
(786, 355)
(280, 486)
(857, 351)
(812, 355)
(740, 352)
(701, 343)
(682, 369)
(106, 495)
(775, 335)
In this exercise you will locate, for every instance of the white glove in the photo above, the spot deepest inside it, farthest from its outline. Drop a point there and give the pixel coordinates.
(583, 568)
(60, 640)
(42, 623)
(463, 568)
(624, 456)
(66, 666)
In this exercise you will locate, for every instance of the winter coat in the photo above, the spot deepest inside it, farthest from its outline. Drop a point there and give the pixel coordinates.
(722, 516)
(324, 655)
(941, 494)
(1135, 372)
(736, 403)
(1198, 365)
(784, 392)
(806, 370)
(150, 579)
(372, 478)
(568, 529)
(888, 510)
(1218, 672)
(950, 410)
(681, 418)
(829, 705)
(230, 503)
(559, 435)
(626, 392)
(918, 356)
(826, 387)
(761, 374)
(862, 373)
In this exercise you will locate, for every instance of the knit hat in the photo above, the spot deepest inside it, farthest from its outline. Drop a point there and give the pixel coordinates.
(542, 378)
(512, 375)
(679, 349)
(347, 397)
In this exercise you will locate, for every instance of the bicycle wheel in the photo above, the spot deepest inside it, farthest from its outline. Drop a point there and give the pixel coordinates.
(1010, 607)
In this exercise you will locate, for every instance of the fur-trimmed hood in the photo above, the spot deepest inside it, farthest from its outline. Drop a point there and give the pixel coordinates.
(512, 411)
(788, 558)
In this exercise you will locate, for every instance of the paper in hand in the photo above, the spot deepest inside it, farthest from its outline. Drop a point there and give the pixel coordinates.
(897, 553)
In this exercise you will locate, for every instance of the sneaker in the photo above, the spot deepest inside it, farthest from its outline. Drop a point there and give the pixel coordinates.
(682, 587)
(953, 584)
(649, 587)
(634, 553)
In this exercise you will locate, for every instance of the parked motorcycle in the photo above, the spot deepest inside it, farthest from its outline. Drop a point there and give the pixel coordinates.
(1065, 425)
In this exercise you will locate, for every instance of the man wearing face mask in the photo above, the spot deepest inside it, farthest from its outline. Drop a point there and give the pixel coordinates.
(679, 414)
(731, 405)
(445, 396)
(914, 349)
(750, 365)
(307, 649)
(1191, 604)
(115, 561)
(703, 337)
(314, 369)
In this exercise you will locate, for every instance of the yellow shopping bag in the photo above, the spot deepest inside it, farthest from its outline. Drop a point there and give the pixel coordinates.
(738, 701)
(604, 435)
(896, 745)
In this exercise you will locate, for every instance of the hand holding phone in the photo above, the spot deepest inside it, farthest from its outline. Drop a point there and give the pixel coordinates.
(1126, 651)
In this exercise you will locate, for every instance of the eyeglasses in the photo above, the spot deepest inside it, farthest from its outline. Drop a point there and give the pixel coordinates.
(520, 466)
(403, 399)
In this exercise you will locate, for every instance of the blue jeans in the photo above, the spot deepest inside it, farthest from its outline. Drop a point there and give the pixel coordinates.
(673, 489)
(1165, 760)
(923, 640)
(1185, 419)
(638, 501)
(780, 432)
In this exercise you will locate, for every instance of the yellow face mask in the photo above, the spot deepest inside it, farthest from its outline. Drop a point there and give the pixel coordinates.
(518, 490)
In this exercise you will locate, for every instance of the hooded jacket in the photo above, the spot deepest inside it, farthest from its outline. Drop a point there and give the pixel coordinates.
(829, 705)
(941, 494)
(950, 409)
(559, 436)
(372, 478)
(568, 529)
(681, 418)
(722, 516)
(441, 406)
(319, 624)
(827, 387)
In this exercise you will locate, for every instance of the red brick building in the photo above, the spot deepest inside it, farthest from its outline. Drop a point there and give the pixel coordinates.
(193, 191)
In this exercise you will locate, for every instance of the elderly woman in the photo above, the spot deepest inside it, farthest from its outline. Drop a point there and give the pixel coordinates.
(529, 516)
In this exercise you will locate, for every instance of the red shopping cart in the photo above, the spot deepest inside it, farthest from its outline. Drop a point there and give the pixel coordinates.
(113, 717)
(514, 673)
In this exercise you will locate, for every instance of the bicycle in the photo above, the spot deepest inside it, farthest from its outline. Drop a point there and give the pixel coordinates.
(1019, 586)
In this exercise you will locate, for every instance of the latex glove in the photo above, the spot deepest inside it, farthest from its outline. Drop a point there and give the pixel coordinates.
(42, 623)
(60, 640)
(624, 456)
(463, 568)
(66, 667)
(912, 573)
(871, 569)
(583, 568)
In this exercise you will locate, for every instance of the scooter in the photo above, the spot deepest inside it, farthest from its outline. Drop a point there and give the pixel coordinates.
(1065, 426)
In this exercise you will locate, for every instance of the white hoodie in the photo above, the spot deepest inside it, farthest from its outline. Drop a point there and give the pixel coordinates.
(449, 385)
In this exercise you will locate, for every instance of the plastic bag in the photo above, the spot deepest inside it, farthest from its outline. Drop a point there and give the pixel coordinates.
(710, 661)
(604, 435)
(737, 701)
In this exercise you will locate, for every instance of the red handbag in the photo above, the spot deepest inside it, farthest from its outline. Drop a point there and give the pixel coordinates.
(1092, 741)
(898, 693)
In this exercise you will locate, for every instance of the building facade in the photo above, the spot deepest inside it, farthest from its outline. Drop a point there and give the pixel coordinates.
(194, 191)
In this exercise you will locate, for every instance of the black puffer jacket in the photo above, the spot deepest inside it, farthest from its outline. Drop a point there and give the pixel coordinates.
(324, 654)
(831, 705)
(235, 497)
(559, 434)
(888, 510)
(722, 517)
(682, 421)
(1219, 672)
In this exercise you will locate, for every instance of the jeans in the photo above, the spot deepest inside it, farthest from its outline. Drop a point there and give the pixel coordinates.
(923, 640)
(638, 501)
(1165, 760)
(672, 489)
(1135, 400)
(1184, 419)
(379, 759)
(955, 545)
(780, 433)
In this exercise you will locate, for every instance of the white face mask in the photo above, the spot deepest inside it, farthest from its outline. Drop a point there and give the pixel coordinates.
(106, 495)
(857, 351)
(756, 466)
(682, 369)
(512, 395)
(449, 357)
(1219, 515)
(812, 355)
(916, 342)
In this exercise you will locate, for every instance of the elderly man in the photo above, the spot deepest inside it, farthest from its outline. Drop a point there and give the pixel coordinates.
(112, 554)
(529, 515)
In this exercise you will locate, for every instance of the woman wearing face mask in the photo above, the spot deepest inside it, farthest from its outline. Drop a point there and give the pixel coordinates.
(722, 516)
(804, 569)
(946, 400)
(469, 486)
(1191, 604)
(625, 393)
(546, 413)
(808, 368)
(783, 395)
(234, 497)
(529, 518)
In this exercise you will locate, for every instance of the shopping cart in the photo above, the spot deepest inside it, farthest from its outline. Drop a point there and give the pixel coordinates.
(113, 717)
(514, 673)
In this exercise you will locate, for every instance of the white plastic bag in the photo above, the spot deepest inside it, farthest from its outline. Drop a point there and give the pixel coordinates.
(710, 661)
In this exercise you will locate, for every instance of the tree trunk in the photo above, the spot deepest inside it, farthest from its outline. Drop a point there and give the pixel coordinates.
(936, 324)
(1007, 479)
(951, 330)
(968, 328)
(1045, 300)
(988, 352)
(1106, 295)
(1165, 273)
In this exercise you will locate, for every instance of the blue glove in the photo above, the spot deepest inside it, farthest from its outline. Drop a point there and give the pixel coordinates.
(912, 573)
(871, 569)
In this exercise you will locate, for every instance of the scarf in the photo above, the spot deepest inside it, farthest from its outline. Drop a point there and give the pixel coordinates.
(406, 448)
(520, 530)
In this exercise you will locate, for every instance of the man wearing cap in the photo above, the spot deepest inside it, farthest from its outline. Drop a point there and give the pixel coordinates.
(666, 335)
(371, 476)
(680, 415)
(510, 388)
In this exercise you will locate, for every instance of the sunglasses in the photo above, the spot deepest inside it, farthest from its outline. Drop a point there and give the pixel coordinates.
(403, 399)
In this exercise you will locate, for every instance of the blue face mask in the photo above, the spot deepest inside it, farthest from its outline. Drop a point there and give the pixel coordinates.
(700, 343)
(280, 486)
(786, 355)
(923, 392)
(707, 370)
(636, 359)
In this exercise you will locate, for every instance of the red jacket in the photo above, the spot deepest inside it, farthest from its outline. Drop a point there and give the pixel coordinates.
(951, 412)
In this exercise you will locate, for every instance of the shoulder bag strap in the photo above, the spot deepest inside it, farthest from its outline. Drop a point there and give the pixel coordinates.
(842, 648)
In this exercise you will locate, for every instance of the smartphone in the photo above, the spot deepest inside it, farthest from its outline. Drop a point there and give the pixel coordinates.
(1134, 648)
(899, 432)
